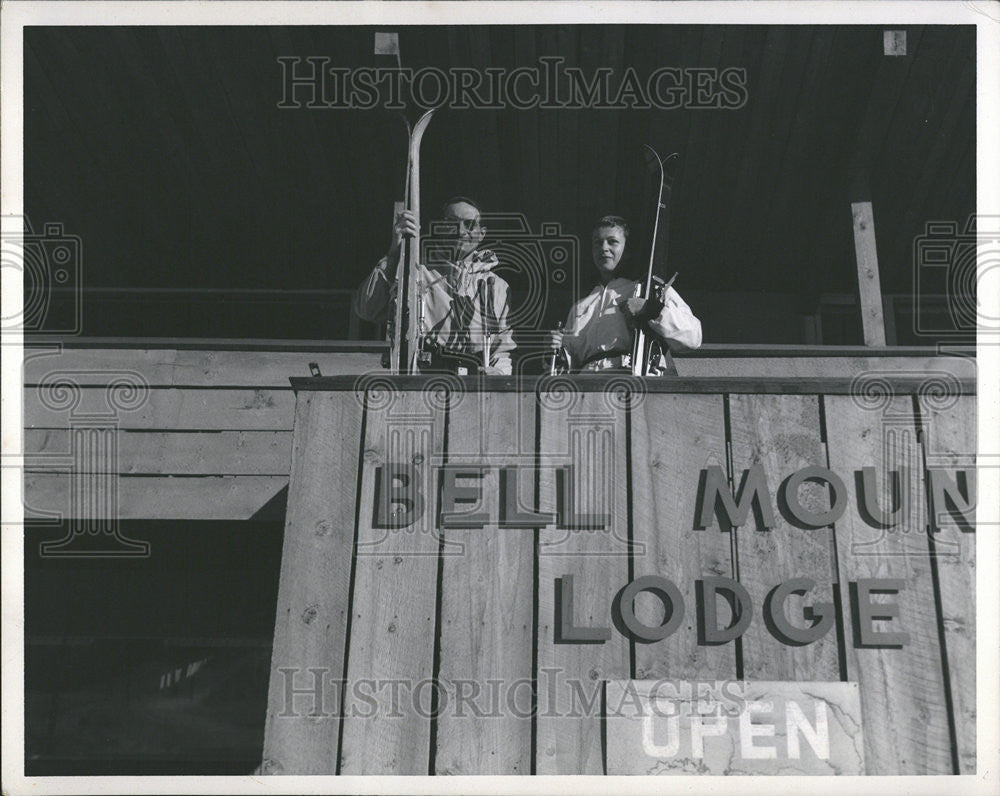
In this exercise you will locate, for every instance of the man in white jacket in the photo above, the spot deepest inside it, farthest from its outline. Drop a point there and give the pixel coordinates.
(456, 285)
(599, 329)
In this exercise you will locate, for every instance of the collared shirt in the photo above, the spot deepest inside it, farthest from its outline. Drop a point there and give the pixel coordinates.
(452, 315)
(597, 332)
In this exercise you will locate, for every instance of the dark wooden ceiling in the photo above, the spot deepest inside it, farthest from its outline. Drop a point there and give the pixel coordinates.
(164, 149)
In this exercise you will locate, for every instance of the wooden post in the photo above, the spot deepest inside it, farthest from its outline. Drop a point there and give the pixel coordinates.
(869, 288)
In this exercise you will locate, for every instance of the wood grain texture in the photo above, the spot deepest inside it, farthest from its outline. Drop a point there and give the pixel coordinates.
(395, 593)
(902, 689)
(182, 368)
(902, 383)
(487, 628)
(817, 366)
(584, 431)
(163, 497)
(310, 637)
(175, 410)
(782, 433)
(182, 452)
(869, 286)
(950, 442)
(674, 437)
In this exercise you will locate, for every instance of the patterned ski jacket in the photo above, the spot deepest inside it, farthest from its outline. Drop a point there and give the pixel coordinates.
(453, 318)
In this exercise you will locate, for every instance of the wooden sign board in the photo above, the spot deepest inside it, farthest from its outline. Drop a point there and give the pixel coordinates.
(466, 563)
(733, 727)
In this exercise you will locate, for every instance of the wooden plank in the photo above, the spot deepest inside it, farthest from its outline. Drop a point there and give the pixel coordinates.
(869, 287)
(182, 368)
(904, 383)
(181, 453)
(820, 366)
(950, 442)
(591, 436)
(902, 689)
(164, 498)
(175, 409)
(645, 718)
(674, 438)
(487, 598)
(310, 636)
(782, 434)
(395, 592)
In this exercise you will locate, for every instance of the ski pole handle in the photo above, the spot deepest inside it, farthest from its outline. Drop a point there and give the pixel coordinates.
(555, 352)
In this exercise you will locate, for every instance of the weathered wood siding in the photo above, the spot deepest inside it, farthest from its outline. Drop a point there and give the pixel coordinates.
(436, 606)
(199, 434)
(211, 437)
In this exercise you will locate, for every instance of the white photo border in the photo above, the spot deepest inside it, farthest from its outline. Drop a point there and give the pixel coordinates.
(17, 14)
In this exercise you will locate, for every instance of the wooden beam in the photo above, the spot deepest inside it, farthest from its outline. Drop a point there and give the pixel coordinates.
(486, 627)
(869, 287)
(903, 383)
(182, 368)
(180, 452)
(949, 441)
(314, 592)
(902, 689)
(394, 605)
(592, 438)
(163, 498)
(689, 432)
(175, 410)
(782, 434)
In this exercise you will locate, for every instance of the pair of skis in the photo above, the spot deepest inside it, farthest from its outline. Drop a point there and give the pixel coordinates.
(406, 330)
(648, 350)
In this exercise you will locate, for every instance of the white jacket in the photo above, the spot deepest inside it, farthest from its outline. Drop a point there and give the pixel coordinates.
(597, 329)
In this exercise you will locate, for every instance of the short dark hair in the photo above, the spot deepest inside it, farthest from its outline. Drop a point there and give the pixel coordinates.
(611, 221)
(454, 200)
